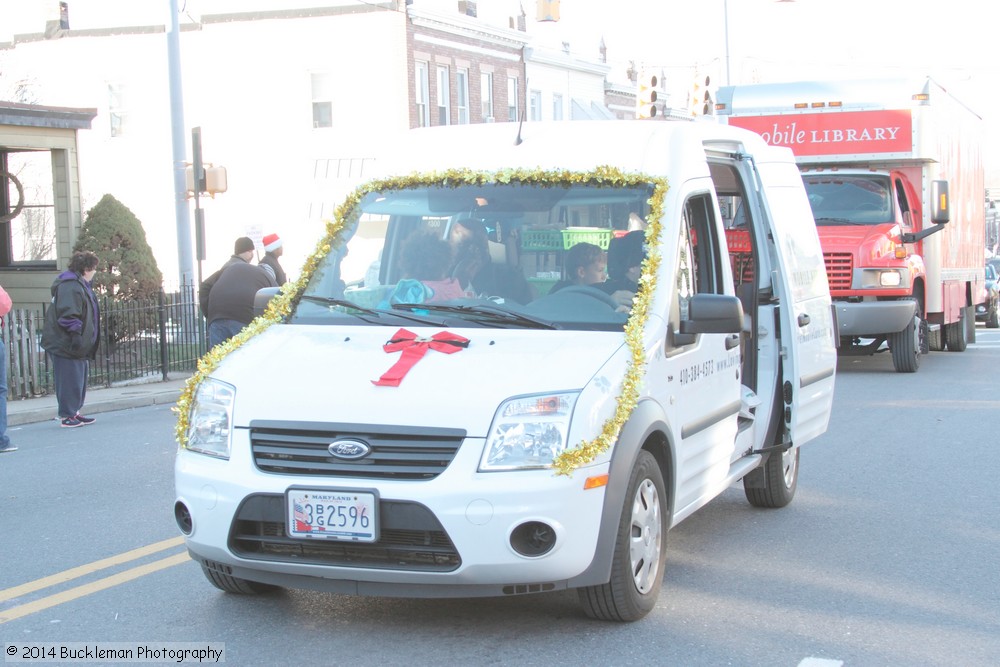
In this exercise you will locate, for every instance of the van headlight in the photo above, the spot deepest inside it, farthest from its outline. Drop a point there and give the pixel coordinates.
(211, 419)
(528, 432)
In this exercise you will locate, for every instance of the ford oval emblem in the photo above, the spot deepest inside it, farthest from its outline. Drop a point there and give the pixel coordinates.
(349, 450)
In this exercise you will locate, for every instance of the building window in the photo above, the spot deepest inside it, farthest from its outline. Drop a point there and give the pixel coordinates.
(462, 91)
(443, 96)
(28, 191)
(486, 95)
(422, 95)
(511, 98)
(535, 109)
(557, 107)
(322, 99)
(116, 109)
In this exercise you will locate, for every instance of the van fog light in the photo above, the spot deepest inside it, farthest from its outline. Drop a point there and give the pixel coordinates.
(182, 515)
(533, 538)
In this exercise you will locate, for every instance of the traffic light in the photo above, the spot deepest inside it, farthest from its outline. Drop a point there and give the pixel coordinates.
(702, 101)
(213, 180)
(645, 99)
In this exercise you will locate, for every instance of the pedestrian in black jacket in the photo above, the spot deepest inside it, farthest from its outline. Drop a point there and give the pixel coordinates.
(242, 254)
(71, 334)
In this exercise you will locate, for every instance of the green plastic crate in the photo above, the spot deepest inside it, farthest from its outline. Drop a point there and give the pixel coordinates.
(541, 240)
(599, 237)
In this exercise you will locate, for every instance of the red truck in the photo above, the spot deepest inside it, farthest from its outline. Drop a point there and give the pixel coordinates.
(880, 160)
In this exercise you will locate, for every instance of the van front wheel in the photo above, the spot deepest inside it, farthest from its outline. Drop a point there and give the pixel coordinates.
(781, 473)
(640, 550)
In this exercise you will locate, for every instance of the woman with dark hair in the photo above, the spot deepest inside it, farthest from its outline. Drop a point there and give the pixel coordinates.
(70, 335)
(472, 264)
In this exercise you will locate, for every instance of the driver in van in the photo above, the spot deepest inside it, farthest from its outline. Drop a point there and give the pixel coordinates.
(585, 264)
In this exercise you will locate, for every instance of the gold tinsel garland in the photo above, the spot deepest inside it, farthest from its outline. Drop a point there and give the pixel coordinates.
(347, 213)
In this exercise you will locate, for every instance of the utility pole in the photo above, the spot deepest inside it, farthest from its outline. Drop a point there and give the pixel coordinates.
(185, 256)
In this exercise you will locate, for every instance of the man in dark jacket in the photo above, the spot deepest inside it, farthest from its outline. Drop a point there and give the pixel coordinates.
(242, 254)
(230, 303)
(70, 335)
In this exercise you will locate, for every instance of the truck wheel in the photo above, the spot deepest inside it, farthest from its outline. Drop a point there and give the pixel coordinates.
(231, 584)
(640, 550)
(906, 346)
(955, 333)
(781, 478)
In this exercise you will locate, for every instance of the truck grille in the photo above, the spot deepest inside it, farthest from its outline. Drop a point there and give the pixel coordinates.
(410, 538)
(839, 269)
(407, 453)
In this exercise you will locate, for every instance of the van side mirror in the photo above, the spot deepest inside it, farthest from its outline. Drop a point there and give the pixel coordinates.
(262, 298)
(710, 313)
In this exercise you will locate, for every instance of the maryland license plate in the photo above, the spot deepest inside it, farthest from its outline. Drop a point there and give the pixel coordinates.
(350, 516)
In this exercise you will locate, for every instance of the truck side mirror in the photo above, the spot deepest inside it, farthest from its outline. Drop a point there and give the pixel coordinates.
(941, 211)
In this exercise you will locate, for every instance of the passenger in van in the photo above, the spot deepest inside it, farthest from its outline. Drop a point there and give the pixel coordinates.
(425, 260)
(584, 264)
(625, 256)
(473, 267)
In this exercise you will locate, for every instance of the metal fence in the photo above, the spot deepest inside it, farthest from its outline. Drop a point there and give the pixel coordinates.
(141, 341)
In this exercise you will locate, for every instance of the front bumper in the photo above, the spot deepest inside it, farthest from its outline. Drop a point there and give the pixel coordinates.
(873, 318)
(443, 537)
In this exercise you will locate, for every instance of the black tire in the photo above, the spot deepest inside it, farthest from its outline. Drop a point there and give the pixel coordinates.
(781, 478)
(955, 334)
(993, 316)
(640, 550)
(906, 347)
(231, 584)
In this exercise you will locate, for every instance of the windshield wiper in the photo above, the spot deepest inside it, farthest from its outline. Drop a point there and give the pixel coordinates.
(482, 313)
(373, 312)
(839, 221)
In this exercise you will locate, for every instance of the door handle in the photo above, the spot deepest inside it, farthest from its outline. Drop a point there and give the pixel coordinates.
(732, 341)
(803, 319)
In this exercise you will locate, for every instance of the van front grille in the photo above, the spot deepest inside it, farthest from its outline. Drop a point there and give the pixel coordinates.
(402, 453)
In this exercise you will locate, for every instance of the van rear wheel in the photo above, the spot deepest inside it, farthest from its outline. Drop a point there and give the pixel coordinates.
(640, 550)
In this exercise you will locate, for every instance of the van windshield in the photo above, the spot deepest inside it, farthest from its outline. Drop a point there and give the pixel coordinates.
(849, 200)
(493, 255)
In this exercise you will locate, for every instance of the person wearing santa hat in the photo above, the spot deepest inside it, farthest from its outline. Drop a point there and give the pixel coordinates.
(272, 251)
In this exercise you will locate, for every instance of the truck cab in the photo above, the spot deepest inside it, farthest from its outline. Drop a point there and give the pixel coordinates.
(427, 412)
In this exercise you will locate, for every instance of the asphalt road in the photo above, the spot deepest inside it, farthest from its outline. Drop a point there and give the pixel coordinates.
(887, 556)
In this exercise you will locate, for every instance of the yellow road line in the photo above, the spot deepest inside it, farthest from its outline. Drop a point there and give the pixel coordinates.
(93, 587)
(89, 568)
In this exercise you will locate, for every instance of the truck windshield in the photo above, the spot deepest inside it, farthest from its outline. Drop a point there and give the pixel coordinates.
(849, 199)
(492, 255)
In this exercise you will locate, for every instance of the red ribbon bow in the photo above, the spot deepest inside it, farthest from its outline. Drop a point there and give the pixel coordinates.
(414, 348)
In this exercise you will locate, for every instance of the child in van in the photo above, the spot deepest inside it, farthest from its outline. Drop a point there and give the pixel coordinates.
(585, 264)
(425, 260)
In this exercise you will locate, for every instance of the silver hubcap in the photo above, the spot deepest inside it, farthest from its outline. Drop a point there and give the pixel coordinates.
(646, 537)
(790, 462)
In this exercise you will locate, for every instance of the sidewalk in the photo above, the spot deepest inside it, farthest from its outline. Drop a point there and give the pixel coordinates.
(99, 399)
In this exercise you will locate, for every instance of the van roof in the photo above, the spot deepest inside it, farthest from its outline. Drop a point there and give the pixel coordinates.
(641, 146)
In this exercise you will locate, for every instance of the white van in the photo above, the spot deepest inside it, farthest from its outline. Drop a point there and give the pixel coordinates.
(440, 408)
